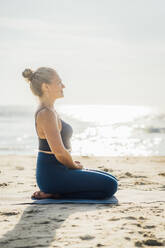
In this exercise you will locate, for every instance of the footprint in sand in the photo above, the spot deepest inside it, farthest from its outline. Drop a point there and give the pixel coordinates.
(3, 184)
(9, 213)
(130, 218)
(86, 237)
(19, 168)
(162, 174)
(153, 242)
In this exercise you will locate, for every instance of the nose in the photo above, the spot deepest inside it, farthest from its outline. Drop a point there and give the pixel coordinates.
(63, 86)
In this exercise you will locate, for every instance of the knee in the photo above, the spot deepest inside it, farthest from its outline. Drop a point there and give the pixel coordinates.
(115, 186)
(111, 186)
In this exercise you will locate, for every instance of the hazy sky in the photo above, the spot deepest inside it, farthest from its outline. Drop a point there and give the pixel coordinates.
(106, 51)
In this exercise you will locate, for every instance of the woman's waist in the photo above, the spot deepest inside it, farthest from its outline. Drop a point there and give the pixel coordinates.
(48, 163)
(45, 159)
(47, 152)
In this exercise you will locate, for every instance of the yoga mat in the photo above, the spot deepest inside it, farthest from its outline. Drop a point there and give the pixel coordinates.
(110, 200)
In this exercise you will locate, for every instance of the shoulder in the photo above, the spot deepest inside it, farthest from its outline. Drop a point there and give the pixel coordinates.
(47, 115)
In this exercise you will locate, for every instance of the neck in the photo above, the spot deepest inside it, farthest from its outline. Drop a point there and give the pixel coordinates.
(46, 103)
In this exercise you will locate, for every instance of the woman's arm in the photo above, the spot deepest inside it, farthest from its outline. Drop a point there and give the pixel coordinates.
(66, 159)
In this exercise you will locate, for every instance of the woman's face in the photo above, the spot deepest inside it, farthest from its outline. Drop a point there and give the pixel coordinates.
(56, 87)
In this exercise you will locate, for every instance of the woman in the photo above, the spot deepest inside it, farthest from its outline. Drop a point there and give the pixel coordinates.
(57, 175)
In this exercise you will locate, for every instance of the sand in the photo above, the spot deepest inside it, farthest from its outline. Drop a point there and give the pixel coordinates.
(136, 221)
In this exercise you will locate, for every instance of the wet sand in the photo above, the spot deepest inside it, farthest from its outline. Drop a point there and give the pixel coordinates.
(138, 220)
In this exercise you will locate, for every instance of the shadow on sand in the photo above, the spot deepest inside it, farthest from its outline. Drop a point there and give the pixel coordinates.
(38, 224)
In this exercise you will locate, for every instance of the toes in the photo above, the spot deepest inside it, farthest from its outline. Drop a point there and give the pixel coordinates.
(33, 195)
(36, 194)
(42, 195)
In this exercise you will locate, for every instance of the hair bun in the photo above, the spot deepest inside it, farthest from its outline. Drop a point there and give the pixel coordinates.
(27, 73)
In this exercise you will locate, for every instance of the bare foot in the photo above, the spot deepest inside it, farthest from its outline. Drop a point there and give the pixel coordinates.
(41, 195)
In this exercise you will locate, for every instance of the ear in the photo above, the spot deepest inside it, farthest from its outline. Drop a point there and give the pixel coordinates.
(45, 86)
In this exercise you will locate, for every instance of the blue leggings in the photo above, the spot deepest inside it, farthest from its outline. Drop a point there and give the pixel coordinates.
(54, 177)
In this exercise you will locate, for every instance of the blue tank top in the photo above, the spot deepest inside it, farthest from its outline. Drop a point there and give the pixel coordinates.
(66, 133)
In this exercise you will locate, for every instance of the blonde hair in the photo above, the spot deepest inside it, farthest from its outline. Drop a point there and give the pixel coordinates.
(38, 77)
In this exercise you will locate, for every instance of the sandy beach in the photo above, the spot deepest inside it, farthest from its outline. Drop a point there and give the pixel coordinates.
(136, 221)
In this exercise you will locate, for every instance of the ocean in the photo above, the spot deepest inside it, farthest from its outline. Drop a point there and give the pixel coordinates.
(98, 130)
